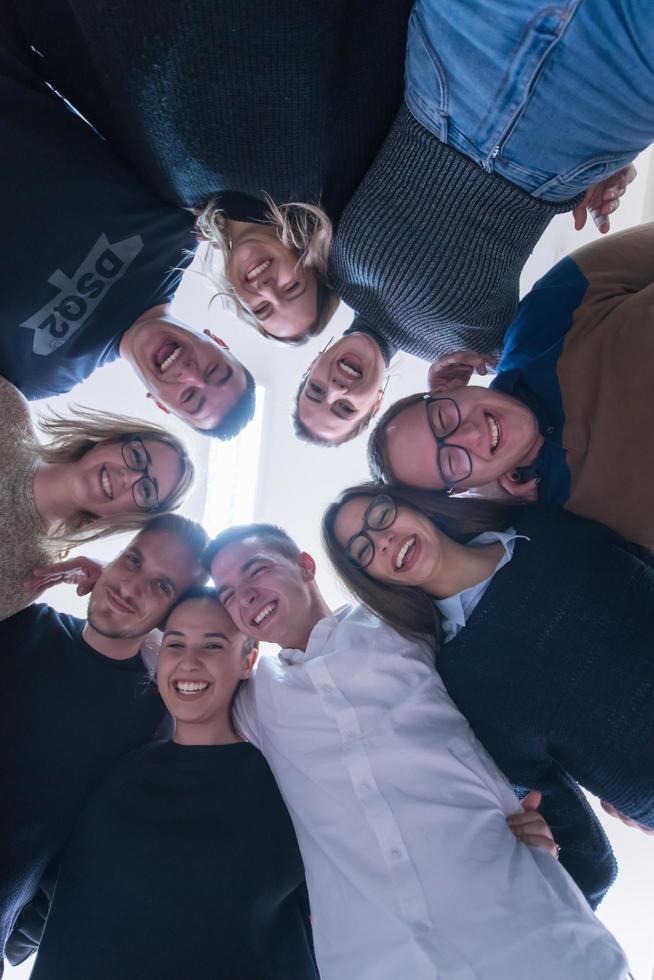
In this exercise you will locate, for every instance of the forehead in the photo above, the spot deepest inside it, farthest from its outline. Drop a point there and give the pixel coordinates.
(349, 519)
(164, 553)
(202, 615)
(233, 561)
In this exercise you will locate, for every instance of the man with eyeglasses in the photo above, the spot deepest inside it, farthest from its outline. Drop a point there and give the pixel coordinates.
(568, 419)
(400, 814)
(78, 698)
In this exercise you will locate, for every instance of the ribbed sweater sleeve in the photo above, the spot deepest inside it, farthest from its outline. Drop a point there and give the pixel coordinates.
(430, 248)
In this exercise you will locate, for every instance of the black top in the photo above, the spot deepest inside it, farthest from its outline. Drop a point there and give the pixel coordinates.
(87, 247)
(68, 714)
(183, 865)
(430, 249)
(555, 673)
(283, 96)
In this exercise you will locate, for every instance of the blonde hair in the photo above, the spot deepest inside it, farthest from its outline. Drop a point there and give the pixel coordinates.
(302, 228)
(71, 438)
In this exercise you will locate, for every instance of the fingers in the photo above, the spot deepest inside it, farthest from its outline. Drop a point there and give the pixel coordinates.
(529, 823)
(545, 843)
(532, 800)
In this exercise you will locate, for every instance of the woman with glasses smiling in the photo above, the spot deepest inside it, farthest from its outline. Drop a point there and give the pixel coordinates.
(98, 474)
(542, 626)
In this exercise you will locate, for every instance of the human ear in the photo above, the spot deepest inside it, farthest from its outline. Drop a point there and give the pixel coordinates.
(158, 404)
(249, 662)
(217, 340)
(378, 401)
(512, 483)
(307, 566)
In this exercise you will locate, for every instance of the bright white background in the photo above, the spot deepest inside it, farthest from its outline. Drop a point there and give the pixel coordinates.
(290, 483)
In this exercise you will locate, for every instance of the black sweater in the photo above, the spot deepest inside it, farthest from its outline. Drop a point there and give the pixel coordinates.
(283, 96)
(68, 714)
(183, 865)
(555, 673)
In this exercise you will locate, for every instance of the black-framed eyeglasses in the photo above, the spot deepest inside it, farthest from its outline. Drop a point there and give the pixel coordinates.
(453, 462)
(144, 491)
(379, 515)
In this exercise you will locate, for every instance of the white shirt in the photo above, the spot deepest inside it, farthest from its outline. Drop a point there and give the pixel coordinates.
(412, 871)
(457, 609)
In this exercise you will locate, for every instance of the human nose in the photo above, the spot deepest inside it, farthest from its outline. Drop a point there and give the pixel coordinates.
(470, 435)
(189, 371)
(189, 659)
(383, 540)
(247, 596)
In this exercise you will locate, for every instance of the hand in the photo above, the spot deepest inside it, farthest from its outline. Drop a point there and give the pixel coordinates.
(611, 810)
(80, 571)
(530, 827)
(455, 369)
(603, 199)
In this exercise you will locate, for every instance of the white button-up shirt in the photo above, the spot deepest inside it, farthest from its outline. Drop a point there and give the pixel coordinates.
(412, 871)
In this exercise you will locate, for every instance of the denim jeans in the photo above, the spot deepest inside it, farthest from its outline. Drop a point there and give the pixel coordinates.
(553, 97)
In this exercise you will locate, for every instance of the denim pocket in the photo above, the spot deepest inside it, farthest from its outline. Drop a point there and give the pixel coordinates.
(581, 177)
(426, 89)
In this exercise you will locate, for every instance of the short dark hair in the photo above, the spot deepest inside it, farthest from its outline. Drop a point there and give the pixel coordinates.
(306, 435)
(239, 414)
(378, 462)
(190, 532)
(271, 534)
(206, 592)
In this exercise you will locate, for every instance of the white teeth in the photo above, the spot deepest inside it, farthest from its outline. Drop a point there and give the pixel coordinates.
(399, 561)
(190, 687)
(170, 359)
(106, 483)
(349, 370)
(253, 273)
(494, 430)
(265, 612)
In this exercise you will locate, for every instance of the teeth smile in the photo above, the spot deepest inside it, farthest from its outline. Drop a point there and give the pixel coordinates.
(258, 269)
(402, 553)
(349, 370)
(190, 687)
(494, 431)
(170, 359)
(265, 612)
(106, 484)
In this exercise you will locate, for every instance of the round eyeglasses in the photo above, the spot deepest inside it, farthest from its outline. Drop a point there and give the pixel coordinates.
(144, 491)
(453, 462)
(379, 515)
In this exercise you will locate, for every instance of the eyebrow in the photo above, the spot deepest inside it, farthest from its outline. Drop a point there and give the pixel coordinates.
(244, 568)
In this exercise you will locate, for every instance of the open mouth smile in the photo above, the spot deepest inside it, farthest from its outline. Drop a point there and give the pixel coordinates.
(190, 689)
(407, 554)
(105, 484)
(495, 431)
(258, 269)
(167, 355)
(264, 614)
(350, 367)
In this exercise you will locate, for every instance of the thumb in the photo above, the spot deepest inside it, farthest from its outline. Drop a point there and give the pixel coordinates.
(532, 800)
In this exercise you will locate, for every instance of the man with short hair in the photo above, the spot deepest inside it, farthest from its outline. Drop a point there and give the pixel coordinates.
(399, 812)
(568, 419)
(94, 261)
(78, 697)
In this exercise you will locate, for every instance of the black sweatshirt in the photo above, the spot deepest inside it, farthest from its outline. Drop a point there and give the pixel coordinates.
(68, 714)
(555, 673)
(283, 96)
(183, 865)
(87, 248)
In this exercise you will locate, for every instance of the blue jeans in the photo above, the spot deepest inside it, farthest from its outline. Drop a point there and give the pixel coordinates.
(553, 97)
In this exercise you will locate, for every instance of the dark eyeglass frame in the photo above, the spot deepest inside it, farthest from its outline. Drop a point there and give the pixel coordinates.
(146, 480)
(382, 498)
(441, 440)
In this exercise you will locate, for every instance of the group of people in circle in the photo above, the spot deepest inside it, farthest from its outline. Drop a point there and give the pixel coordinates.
(400, 792)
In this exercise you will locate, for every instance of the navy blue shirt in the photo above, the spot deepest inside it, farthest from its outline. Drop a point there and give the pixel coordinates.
(528, 368)
(87, 248)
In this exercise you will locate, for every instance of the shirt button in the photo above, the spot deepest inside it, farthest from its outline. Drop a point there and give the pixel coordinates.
(550, 430)
(326, 688)
(365, 787)
(396, 853)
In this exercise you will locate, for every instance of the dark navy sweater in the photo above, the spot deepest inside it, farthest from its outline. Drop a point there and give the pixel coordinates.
(555, 673)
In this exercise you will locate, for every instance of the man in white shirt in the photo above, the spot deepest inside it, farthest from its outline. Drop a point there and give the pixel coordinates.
(400, 814)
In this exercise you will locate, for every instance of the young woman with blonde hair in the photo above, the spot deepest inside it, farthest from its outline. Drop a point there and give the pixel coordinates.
(98, 474)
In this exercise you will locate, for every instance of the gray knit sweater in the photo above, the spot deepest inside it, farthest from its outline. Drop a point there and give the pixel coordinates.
(23, 542)
(429, 250)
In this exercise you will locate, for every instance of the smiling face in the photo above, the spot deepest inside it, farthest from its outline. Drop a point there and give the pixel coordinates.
(134, 592)
(193, 377)
(498, 431)
(201, 663)
(103, 484)
(342, 387)
(408, 552)
(267, 595)
(268, 278)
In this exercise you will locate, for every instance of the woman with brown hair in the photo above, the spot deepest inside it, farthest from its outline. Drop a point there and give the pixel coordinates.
(98, 474)
(541, 622)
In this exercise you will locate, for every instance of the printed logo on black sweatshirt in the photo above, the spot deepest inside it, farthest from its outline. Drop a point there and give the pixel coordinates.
(79, 295)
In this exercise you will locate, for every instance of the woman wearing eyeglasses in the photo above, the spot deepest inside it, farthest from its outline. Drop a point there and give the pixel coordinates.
(98, 474)
(542, 626)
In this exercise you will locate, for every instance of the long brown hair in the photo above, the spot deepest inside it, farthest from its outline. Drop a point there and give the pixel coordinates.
(409, 609)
